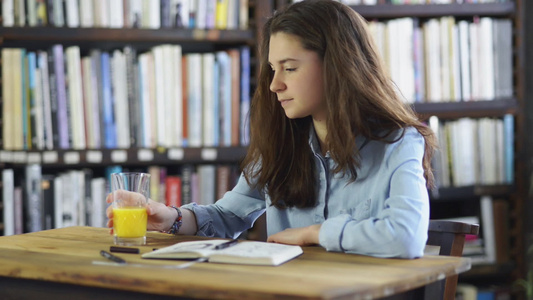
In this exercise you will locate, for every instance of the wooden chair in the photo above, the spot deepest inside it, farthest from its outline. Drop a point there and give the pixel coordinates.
(450, 236)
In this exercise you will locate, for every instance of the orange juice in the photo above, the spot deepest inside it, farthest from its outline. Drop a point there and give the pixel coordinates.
(129, 222)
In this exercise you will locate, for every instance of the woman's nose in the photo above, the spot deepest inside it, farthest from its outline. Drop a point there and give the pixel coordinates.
(276, 85)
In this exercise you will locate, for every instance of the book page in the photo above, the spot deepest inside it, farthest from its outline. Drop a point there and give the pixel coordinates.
(193, 249)
(255, 249)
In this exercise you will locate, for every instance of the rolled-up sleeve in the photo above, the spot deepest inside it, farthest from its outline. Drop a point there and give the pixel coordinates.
(231, 215)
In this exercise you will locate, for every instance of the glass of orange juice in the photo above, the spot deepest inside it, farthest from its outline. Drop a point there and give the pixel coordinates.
(130, 191)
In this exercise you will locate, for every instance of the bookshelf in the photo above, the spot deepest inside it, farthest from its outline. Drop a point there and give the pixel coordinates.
(466, 199)
(94, 161)
(193, 40)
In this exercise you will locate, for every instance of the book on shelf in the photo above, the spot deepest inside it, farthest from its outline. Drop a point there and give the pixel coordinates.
(8, 105)
(245, 95)
(173, 191)
(33, 204)
(124, 99)
(101, 13)
(72, 12)
(209, 109)
(98, 206)
(242, 252)
(20, 13)
(45, 89)
(466, 292)
(224, 96)
(8, 190)
(87, 17)
(8, 14)
(120, 97)
(48, 191)
(75, 97)
(62, 98)
(443, 59)
(206, 184)
(165, 14)
(201, 14)
(108, 103)
(18, 199)
(474, 151)
(487, 231)
(491, 245)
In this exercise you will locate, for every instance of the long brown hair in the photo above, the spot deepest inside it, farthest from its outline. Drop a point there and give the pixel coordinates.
(361, 100)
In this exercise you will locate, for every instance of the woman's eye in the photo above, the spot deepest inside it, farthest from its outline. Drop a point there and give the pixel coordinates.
(290, 69)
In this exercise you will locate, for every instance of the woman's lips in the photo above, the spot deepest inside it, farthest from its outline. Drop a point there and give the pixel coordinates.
(284, 101)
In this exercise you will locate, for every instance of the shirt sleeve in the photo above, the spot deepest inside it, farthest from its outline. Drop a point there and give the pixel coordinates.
(399, 229)
(231, 215)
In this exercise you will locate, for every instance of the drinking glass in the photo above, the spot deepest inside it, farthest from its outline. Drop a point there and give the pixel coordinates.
(131, 191)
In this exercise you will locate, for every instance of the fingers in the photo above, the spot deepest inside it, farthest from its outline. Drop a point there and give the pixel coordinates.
(109, 212)
(110, 223)
(109, 198)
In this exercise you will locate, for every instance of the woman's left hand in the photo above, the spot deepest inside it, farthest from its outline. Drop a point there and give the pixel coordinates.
(303, 236)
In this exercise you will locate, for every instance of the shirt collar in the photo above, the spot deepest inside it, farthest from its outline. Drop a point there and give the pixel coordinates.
(360, 142)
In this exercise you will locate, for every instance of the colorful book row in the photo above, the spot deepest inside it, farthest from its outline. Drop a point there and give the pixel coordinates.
(57, 99)
(149, 14)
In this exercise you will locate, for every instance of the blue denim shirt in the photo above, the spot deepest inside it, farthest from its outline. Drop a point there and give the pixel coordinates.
(384, 213)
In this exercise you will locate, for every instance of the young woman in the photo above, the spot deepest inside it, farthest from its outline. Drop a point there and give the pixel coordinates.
(335, 157)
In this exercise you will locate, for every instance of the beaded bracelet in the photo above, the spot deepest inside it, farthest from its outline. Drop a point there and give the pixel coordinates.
(177, 224)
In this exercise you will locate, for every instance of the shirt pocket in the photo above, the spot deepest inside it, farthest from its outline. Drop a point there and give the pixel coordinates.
(361, 211)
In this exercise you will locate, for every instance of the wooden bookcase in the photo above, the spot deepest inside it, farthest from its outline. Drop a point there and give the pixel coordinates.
(515, 193)
(107, 39)
(193, 40)
(484, 274)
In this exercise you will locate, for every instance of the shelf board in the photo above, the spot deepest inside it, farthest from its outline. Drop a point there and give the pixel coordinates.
(385, 11)
(462, 109)
(488, 270)
(473, 191)
(124, 35)
(131, 157)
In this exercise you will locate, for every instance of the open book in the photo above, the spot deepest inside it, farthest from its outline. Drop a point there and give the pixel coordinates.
(242, 252)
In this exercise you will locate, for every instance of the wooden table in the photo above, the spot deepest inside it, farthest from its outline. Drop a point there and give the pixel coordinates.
(59, 264)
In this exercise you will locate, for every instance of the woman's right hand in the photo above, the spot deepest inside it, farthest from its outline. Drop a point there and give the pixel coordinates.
(160, 216)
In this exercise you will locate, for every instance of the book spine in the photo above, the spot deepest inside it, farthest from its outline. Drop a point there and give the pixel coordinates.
(77, 114)
(245, 95)
(165, 14)
(34, 203)
(26, 102)
(8, 13)
(48, 191)
(8, 100)
(32, 108)
(173, 191)
(47, 101)
(132, 82)
(61, 89)
(8, 189)
(98, 218)
(54, 108)
(234, 55)
(186, 183)
(108, 107)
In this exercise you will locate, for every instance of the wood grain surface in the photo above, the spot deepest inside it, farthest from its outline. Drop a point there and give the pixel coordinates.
(68, 256)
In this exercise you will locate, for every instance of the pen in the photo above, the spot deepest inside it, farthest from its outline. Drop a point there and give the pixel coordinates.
(112, 257)
(124, 250)
(226, 244)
